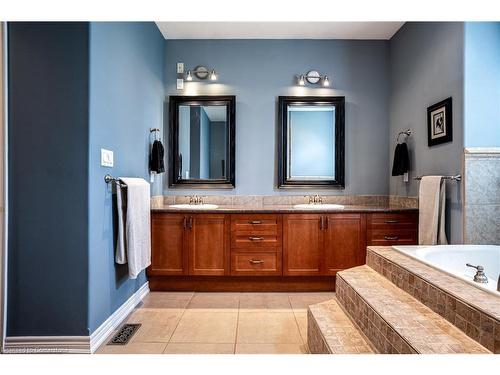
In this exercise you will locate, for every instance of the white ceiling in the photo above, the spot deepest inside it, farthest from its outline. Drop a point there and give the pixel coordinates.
(278, 30)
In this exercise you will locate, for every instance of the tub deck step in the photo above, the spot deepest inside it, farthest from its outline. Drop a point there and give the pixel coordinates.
(330, 331)
(393, 320)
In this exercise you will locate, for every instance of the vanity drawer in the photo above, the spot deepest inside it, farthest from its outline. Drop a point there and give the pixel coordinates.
(255, 263)
(385, 237)
(393, 220)
(259, 223)
(254, 240)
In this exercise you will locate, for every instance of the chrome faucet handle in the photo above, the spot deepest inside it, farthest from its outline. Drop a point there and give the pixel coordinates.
(309, 198)
(478, 267)
(480, 276)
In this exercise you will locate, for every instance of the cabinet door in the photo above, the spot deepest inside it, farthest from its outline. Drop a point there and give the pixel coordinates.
(302, 245)
(345, 242)
(208, 244)
(168, 255)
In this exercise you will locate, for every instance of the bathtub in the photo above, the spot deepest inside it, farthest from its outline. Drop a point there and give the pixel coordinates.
(452, 259)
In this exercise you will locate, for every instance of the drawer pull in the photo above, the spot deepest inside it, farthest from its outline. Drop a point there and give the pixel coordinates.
(256, 261)
(391, 221)
(255, 238)
(391, 238)
(255, 222)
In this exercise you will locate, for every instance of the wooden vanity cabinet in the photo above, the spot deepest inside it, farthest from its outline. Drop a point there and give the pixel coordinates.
(267, 251)
(322, 244)
(302, 244)
(168, 245)
(256, 245)
(189, 244)
(392, 228)
(344, 242)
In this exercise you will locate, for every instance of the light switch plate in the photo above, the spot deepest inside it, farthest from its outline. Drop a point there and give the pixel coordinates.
(106, 158)
(180, 84)
(180, 68)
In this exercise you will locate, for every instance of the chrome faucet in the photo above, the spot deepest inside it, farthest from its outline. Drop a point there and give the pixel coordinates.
(498, 284)
(195, 199)
(479, 277)
(314, 199)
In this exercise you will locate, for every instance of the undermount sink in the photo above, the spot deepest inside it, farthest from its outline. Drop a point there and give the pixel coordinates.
(320, 206)
(205, 206)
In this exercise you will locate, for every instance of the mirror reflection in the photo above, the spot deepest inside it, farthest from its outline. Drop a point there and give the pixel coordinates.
(202, 153)
(311, 142)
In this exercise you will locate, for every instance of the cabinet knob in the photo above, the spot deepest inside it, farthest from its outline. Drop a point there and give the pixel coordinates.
(255, 222)
(256, 261)
(251, 238)
(391, 221)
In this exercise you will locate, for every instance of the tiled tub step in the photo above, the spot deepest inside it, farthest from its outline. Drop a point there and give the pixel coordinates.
(475, 312)
(393, 320)
(330, 331)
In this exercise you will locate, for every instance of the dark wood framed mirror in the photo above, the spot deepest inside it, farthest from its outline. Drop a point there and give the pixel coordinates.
(202, 141)
(311, 141)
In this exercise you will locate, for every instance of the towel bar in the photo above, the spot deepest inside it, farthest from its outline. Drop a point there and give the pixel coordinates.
(108, 178)
(457, 177)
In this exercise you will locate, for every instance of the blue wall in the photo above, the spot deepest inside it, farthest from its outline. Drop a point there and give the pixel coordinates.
(426, 61)
(48, 150)
(126, 100)
(482, 84)
(258, 71)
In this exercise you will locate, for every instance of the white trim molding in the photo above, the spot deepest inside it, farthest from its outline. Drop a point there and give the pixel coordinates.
(75, 344)
(106, 328)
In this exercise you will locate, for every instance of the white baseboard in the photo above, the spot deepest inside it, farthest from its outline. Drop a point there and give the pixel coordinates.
(106, 328)
(75, 344)
(47, 344)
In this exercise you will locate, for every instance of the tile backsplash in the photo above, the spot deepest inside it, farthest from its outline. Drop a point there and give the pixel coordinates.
(264, 200)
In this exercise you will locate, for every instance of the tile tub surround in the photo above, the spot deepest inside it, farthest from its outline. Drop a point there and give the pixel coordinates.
(482, 196)
(330, 331)
(473, 311)
(405, 326)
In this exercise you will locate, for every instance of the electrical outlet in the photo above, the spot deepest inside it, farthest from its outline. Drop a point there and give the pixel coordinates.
(180, 68)
(106, 158)
(180, 84)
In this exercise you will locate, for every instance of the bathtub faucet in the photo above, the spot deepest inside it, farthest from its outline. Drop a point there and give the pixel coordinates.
(479, 277)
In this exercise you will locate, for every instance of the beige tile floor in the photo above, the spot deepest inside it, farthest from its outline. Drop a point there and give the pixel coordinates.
(220, 323)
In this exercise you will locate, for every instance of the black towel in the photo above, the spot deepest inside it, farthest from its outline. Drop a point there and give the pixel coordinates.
(401, 163)
(156, 163)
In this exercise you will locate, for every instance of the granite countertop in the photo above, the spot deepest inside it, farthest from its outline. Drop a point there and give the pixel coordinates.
(283, 209)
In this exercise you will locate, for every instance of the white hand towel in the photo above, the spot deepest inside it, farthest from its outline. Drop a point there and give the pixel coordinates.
(134, 229)
(432, 199)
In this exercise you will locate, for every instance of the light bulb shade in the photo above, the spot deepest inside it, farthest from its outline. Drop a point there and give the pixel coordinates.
(301, 81)
(189, 76)
(213, 75)
(326, 81)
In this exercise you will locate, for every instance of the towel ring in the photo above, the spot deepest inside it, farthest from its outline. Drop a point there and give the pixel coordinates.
(156, 132)
(404, 132)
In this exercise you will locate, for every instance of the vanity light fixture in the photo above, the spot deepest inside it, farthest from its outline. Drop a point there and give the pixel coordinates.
(201, 73)
(313, 77)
